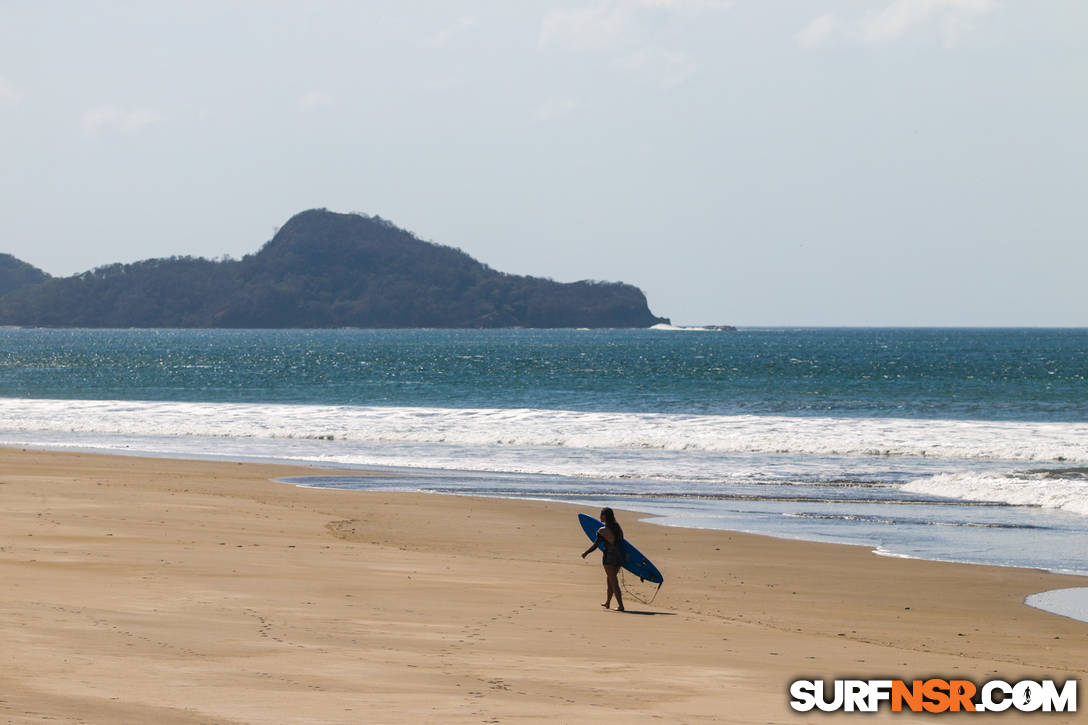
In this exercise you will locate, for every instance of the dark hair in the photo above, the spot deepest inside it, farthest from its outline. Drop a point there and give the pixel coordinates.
(609, 519)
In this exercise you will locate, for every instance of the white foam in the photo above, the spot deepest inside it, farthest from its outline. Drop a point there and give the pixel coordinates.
(1021, 489)
(943, 439)
(682, 328)
(1072, 603)
(881, 551)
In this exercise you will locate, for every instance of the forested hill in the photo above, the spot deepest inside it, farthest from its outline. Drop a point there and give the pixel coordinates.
(322, 269)
(15, 273)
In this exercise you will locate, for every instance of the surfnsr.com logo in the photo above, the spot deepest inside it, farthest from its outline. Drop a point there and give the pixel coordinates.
(933, 695)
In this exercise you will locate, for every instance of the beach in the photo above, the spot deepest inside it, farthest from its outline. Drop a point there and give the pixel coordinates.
(181, 591)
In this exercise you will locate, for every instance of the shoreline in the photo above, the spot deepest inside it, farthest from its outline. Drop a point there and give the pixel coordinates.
(183, 591)
(1071, 602)
(630, 501)
(649, 517)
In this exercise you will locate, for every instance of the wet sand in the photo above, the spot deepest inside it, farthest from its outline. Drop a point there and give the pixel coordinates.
(147, 590)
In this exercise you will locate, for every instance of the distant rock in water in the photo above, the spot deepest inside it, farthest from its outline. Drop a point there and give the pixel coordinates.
(322, 269)
(696, 328)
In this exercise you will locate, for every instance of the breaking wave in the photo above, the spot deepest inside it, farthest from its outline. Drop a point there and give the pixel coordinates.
(535, 428)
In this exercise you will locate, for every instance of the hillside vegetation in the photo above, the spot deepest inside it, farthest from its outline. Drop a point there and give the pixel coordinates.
(321, 269)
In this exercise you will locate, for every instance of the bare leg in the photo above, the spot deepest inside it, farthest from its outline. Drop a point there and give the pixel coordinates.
(611, 573)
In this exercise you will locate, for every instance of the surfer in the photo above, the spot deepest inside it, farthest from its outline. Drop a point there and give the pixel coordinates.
(610, 536)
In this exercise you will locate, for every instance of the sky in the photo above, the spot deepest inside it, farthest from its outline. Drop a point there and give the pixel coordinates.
(747, 162)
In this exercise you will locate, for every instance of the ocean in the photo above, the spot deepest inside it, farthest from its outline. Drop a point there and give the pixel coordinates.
(949, 444)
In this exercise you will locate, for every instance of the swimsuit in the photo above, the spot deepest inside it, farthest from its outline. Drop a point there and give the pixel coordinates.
(613, 553)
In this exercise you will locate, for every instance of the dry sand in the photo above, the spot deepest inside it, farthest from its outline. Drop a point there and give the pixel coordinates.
(162, 591)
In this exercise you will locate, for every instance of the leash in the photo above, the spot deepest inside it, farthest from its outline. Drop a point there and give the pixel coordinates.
(633, 595)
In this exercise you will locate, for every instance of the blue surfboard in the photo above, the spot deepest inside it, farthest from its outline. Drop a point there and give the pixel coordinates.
(634, 560)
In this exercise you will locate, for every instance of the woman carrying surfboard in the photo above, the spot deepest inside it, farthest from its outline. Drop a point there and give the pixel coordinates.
(610, 539)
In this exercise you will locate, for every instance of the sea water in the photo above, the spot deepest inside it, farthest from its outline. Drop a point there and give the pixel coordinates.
(951, 444)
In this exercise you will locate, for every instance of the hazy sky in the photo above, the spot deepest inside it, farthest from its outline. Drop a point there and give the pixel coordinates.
(825, 162)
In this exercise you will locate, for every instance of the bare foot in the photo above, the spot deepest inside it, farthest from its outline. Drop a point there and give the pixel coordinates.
(606, 606)
(620, 609)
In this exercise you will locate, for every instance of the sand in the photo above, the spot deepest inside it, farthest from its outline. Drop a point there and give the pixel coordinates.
(163, 591)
